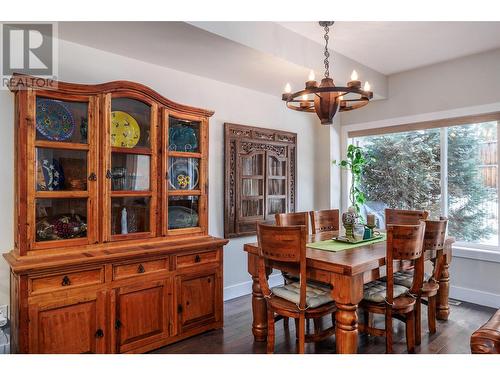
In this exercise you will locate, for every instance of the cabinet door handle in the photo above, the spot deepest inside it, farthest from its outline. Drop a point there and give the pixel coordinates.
(109, 175)
(66, 281)
(179, 309)
(118, 324)
(92, 177)
(140, 269)
(99, 333)
(197, 259)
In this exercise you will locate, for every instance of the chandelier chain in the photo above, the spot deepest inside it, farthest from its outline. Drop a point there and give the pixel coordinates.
(327, 53)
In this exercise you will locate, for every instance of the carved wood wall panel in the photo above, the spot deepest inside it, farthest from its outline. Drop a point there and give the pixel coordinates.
(260, 177)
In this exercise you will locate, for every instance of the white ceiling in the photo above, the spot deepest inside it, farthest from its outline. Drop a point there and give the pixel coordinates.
(392, 47)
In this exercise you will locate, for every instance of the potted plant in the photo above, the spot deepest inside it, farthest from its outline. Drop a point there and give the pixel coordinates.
(354, 163)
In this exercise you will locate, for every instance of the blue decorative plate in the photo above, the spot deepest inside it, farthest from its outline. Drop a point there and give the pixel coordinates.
(182, 217)
(183, 174)
(53, 175)
(54, 120)
(182, 138)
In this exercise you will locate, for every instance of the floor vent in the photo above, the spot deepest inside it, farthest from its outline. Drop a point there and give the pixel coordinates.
(454, 302)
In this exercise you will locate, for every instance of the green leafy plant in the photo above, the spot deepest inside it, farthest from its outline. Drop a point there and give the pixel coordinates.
(354, 163)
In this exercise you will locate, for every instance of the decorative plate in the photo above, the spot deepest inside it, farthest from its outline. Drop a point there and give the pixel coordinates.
(54, 120)
(125, 131)
(183, 174)
(182, 217)
(53, 175)
(61, 227)
(183, 138)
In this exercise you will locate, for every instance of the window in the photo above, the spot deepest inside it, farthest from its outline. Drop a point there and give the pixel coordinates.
(449, 171)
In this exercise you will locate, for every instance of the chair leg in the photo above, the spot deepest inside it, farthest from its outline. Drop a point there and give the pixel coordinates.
(317, 325)
(366, 318)
(388, 331)
(286, 325)
(418, 321)
(297, 328)
(410, 331)
(431, 314)
(302, 334)
(270, 331)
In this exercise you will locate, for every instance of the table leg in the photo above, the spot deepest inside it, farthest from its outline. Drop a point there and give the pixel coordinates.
(347, 293)
(259, 307)
(442, 306)
(346, 328)
(259, 310)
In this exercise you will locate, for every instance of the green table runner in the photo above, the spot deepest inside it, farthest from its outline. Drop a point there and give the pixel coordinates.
(332, 245)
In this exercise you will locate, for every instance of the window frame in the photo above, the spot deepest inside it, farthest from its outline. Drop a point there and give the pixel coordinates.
(351, 132)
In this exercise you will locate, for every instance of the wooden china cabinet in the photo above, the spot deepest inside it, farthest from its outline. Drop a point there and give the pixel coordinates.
(112, 252)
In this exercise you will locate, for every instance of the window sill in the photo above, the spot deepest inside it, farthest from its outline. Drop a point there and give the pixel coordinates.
(461, 251)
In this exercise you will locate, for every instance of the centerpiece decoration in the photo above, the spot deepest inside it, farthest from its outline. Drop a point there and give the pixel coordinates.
(351, 220)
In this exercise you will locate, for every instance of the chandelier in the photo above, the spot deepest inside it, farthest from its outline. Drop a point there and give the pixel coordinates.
(326, 99)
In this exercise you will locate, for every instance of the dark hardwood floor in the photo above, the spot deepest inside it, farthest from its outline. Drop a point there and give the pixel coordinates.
(236, 337)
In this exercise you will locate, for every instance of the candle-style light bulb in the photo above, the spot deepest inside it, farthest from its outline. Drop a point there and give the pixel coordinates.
(288, 89)
(367, 86)
(341, 97)
(311, 75)
(354, 75)
(304, 97)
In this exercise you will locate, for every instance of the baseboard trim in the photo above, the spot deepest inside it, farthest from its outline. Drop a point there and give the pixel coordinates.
(478, 297)
(242, 289)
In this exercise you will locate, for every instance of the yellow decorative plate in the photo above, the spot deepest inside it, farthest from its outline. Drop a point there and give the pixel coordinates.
(125, 131)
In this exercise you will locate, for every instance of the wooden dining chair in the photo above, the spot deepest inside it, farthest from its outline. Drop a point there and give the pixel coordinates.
(404, 217)
(298, 218)
(324, 221)
(434, 238)
(404, 242)
(293, 218)
(286, 219)
(287, 245)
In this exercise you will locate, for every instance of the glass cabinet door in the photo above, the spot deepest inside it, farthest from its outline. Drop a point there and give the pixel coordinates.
(64, 173)
(131, 168)
(185, 171)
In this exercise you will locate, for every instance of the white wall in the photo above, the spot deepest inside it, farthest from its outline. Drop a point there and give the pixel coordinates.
(465, 86)
(464, 82)
(231, 104)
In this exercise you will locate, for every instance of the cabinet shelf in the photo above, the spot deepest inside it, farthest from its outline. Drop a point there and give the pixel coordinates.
(183, 192)
(182, 154)
(62, 145)
(132, 150)
(131, 193)
(61, 194)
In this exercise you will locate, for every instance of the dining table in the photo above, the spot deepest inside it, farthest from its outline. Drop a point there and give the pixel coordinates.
(346, 271)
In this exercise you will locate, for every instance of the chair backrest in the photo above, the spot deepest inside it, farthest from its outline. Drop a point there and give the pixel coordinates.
(324, 221)
(435, 234)
(434, 239)
(404, 217)
(405, 242)
(293, 218)
(282, 244)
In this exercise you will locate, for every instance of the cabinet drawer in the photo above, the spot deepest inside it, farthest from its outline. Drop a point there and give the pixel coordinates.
(66, 280)
(139, 268)
(197, 258)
